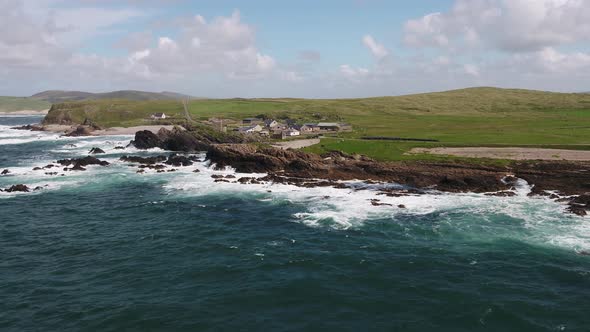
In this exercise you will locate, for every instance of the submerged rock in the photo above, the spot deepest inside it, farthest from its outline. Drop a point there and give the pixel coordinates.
(96, 151)
(29, 127)
(143, 160)
(502, 194)
(18, 188)
(5, 172)
(376, 202)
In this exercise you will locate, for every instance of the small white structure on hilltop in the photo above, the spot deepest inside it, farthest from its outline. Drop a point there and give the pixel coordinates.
(158, 116)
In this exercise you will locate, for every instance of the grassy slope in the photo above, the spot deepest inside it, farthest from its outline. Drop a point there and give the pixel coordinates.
(478, 116)
(13, 104)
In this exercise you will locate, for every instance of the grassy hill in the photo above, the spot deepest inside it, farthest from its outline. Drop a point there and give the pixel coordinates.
(13, 104)
(57, 96)
(476, 116)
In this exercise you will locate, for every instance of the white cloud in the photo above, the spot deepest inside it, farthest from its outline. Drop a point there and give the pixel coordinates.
(507, 25)
(471, 69)
(378, 50)
(353, 73)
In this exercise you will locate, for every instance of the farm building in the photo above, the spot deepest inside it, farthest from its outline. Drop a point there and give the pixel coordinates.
(250, 129)
(158, 116)
(329, 126)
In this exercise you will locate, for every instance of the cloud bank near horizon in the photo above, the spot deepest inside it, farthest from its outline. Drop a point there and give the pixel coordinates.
(106, 45)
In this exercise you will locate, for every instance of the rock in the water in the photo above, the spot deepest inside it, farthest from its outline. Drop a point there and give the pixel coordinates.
(178, 160)
(80, 131)
(5, 172)
(96, 151)
(502, 194)
(119, 148)
(580, 211)
(143, 160)
(29, 127)
(18, 188)
(145, 139)
(376, 202)
(196, 171)
(77, 167)
(79, 164)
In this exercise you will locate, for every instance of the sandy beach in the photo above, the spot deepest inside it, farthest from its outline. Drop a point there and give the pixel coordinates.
(510, 153)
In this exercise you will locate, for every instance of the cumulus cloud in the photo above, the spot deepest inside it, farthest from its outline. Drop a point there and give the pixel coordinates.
(378, 50)
(507, 25)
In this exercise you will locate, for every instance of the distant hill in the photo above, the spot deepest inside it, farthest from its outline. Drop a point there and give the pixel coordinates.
(58, 96)
(14, 104)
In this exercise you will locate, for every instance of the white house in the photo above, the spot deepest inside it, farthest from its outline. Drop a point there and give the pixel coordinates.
(270, 123)
(291, 133)
(158, 116)
(250, 129)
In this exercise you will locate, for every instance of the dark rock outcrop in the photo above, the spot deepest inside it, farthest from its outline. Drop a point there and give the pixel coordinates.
(192, 139)
(80, 131)
(80, 164)
(18, 188)
(178, 160)
(145, 139)
(144, 160)
(29, 127)
(96, 151)
(5, 172)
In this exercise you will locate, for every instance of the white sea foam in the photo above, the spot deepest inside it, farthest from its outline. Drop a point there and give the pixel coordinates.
(536, 220)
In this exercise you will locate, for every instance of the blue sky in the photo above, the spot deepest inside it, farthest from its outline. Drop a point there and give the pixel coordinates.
(257, 48)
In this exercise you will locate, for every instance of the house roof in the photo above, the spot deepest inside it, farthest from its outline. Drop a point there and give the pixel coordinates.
(248, 128)
(328, 124)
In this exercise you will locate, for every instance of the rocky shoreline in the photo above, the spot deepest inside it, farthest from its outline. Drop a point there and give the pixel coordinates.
(568, 182)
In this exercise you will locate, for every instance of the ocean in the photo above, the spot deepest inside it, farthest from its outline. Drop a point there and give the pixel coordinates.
(109, 249)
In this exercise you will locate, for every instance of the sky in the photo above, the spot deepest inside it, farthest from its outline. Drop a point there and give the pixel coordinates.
(304, 48)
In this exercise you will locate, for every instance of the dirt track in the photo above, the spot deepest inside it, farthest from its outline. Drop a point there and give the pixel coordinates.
(297, 144)
(510, 153)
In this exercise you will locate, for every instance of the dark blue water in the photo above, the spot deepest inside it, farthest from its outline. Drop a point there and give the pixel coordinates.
(112, 250)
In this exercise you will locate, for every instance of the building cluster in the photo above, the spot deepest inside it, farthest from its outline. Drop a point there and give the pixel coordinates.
(280, 130)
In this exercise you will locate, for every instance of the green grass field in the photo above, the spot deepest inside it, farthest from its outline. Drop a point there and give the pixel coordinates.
(469, 117)
(14, 104)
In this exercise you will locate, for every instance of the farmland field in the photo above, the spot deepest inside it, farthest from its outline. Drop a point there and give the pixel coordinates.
(469, 117)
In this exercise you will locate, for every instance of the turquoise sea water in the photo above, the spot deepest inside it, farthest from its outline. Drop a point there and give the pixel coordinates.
(112, 250)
